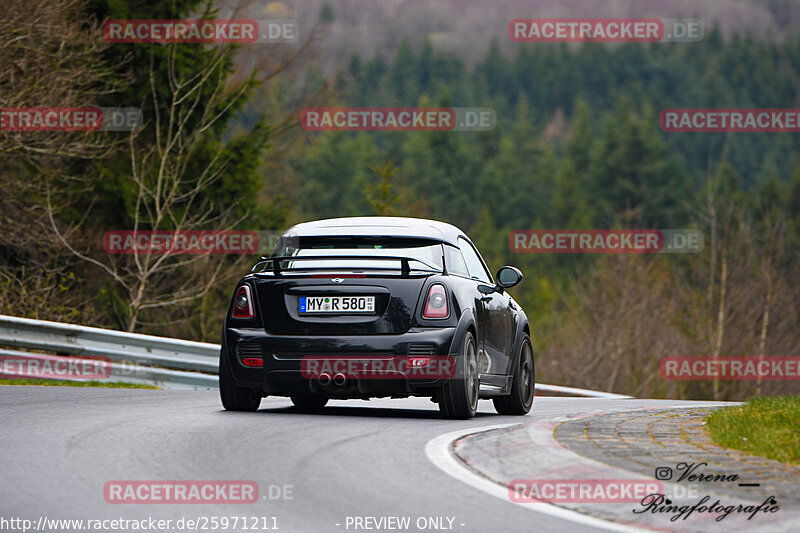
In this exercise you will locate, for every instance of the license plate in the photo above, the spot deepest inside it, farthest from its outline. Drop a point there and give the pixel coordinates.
(337, 304)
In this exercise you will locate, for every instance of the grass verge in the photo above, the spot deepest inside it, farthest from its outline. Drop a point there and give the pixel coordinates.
(768, 427)
(70, 383)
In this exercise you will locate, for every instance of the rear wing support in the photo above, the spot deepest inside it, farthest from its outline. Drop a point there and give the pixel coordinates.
(405, 265)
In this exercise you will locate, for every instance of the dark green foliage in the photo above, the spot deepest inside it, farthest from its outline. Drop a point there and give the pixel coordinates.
(577, 142)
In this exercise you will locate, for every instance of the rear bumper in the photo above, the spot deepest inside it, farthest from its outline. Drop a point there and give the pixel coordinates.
(283, 373)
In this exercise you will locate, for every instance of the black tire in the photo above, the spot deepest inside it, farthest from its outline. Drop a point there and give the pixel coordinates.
(308, 402)
(235, 398)
(520, 401)
(458, 398)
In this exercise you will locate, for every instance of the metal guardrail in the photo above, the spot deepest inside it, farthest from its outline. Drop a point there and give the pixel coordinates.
(27, 365)
(117, 345)
(137, 358)
(558, 390)
(134, 358)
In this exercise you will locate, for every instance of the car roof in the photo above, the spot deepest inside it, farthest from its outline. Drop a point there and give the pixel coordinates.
(379, 227)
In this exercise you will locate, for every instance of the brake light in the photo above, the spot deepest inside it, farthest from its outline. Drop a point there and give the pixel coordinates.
(334, 276)
(243, 303)
(436, 303)
(253, 362)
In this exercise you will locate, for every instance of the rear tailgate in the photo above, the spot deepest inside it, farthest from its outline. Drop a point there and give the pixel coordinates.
(384, 303)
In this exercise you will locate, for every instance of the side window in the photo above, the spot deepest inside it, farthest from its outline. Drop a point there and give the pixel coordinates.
(455, 261)
(474, 264)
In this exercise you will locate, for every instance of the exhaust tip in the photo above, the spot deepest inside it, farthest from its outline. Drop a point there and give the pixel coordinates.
(324, 378)
(339, 379)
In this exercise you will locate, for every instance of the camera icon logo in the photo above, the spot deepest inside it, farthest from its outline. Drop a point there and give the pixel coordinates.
(663, 473)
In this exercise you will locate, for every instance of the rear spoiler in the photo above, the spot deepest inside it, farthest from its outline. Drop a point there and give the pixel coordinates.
(405, 267)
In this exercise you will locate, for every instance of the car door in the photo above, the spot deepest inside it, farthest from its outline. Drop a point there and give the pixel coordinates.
(496, 314)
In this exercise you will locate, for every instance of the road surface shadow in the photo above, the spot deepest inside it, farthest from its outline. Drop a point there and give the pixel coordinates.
(369, 412)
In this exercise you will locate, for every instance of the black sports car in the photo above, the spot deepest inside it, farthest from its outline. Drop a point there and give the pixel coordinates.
(371, 307)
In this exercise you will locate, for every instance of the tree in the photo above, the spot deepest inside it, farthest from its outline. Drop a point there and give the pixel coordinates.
(326, 13)
(402, 75)
(184, 170)
(51, 57)
(382, 196)
(169, 181)
(634, 179)
(389, 196)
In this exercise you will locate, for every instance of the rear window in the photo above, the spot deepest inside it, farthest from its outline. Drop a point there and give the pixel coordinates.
(425, 254)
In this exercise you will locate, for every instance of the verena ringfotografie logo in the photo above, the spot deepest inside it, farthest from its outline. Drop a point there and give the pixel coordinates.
(605, 241)
(607, 30)
(70, 119)
(582, 490)
(730, 368)
(398, 119)
(730, 120)
(685, 485)
(180, 492)
(660, 504)
(693, 472)
(39, 366)
(201, 31)
(327, 367)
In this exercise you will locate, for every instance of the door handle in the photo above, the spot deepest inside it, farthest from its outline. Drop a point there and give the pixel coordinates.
(486, 298)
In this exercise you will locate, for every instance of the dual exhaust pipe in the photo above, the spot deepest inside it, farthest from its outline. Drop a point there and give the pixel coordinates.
(325, 379)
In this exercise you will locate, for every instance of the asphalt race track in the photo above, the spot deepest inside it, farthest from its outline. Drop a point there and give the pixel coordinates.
(60, 445)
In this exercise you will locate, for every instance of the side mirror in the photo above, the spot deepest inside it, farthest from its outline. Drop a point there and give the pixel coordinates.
(508, 276)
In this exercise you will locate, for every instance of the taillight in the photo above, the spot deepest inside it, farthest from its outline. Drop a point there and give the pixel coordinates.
(253, 362)
(436, 304)
(243, 303)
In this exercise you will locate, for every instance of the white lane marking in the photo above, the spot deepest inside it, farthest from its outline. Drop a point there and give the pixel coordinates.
(439, 452)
